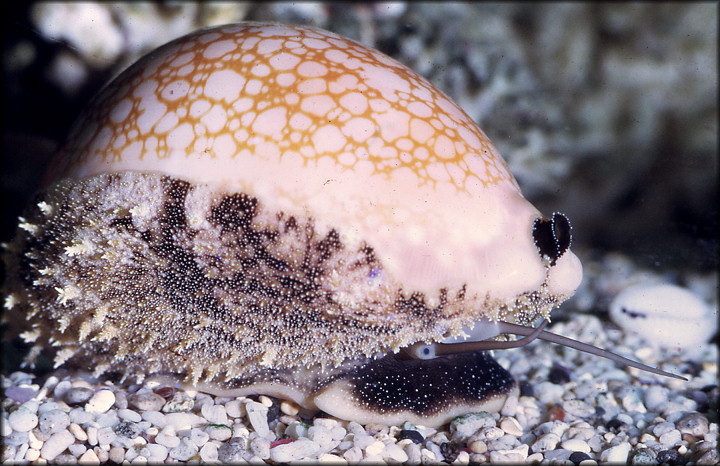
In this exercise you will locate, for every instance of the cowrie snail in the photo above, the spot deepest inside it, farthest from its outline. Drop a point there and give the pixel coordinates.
(259, 208)
(666, 316)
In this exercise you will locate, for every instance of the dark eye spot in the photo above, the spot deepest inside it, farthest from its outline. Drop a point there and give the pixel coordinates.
(633, 315)
(552, 236)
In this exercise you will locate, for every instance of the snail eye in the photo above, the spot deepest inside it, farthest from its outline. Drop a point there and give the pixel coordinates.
(633, 315)
(552, 236)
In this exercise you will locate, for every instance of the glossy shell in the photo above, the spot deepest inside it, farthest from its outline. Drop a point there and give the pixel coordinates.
(665, 316)
(266, 206)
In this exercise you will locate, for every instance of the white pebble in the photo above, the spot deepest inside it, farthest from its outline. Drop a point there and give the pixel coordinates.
(352, 456)
(184, 451)
(325, 422)
(670, 439)
(89, 457)
(102, 455)
(78, 432)
(100, 402)
(235, 408)
(578, 408)
(516, 455)
(643, 457)
(32, 454)
(632, 401)
(548, 392)
(694, 424)
(219, 432)
(20, 454)
(202, 399)
(345, 444)
(546, 442)
(617, 454)
(61, 388)
(395, 452)
(556, 427)
(180, 402)
(154, 452)
(81, 383)
(559, 456)
(156, 418)
(129, 415)
(463, 456)
(80, 416)
(442, 437)
(34, 406)
(182, 421)
(54, 421)
(662, 428)
(117, 454)
(214, 414)
(198, 436)
(57, 444)
(576, 444)
(148, 401)
(464, 426)
(511, 426)
(506, 442)
(490, 433)
(655, 396)
(105, 436)
(77, 449)
(260, 447)
(107, 419)
(289, 408)
(265, 400)
(427, 456)
(435, 449)
(355, 428)
(297, 429)
(92, 435)
(478, 446)
(167, 437)
(322, 436)
(233, 450)
(5, 428)
(670, 407)
(121, 401)
(33, 441)
(257, 415)
(209, 452)
(510, 406)
(338, 432)
(329, 458)
(363, 440)
(22, 420)
(76, 395)
(296, 450)
(375, 448)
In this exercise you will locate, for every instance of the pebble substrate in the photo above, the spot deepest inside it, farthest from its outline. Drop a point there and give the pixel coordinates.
(574, 408)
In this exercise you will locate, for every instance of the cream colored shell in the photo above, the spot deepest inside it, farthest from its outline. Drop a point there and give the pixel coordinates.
(315, 124)
(259, 208)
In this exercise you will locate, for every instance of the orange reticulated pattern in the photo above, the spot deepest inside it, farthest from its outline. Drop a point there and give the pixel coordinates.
(250, 89)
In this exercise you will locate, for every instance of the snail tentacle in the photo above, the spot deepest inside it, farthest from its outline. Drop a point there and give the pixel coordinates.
(433, 350)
